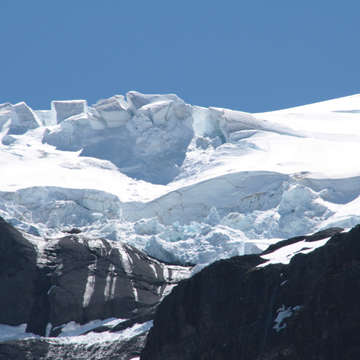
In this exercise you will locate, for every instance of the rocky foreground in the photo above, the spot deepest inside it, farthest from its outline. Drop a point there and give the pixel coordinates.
(247, 308)
(52, 287)
(81, 298)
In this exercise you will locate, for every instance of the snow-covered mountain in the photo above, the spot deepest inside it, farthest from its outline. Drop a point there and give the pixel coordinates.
(184, 183)
(160, 178)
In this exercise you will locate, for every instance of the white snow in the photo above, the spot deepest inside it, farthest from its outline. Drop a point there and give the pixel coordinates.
(134, 291)
(126, 260)
(168, 289)
(184, 183)
(67, 108)
(92, 338)
(73, 333)
(109, 291)
(218, 182)
(74, 329)
(90, 284)
(48, 329)
(286, 253)
(9, 332)
(22, 119)
(283, 313)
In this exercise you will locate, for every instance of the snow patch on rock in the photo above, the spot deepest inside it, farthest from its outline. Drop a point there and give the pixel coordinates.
(9, 332)
(286, 253)
(282, 314)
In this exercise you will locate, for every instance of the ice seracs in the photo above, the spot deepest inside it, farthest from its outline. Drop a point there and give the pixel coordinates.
(146, 137)
(18, 118)
(91, 186)
(66, 109)
(186, 183)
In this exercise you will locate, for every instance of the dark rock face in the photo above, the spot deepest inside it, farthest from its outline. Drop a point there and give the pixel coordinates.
(232, 309)
(78, 279)
(18, 274)
(92, 279)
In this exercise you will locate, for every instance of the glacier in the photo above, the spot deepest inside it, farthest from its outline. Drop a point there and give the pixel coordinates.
(184, 183)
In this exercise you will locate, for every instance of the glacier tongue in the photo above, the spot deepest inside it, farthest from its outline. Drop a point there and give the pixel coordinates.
(186, 184)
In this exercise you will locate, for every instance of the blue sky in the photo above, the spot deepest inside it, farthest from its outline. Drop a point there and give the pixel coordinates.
(252, 55)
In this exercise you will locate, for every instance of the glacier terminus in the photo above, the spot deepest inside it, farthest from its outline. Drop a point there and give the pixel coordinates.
(184, 183)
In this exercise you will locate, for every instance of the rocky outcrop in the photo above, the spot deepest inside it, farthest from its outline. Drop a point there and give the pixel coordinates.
(47, 284)
(83, 279)
(18, 274)
(43, 349)
(240, 309)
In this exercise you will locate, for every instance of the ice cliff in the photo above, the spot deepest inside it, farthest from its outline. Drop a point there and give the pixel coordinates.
(184, 183)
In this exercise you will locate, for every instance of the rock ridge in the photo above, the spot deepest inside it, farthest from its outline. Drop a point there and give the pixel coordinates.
(240, 309)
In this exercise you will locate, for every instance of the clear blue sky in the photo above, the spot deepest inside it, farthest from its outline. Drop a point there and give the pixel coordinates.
(250, 55)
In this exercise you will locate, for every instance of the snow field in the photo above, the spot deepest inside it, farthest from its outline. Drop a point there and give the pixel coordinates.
(184, 183)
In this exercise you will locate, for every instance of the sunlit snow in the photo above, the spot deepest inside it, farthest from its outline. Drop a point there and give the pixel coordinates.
(286, 253)
(184, 183)
(73, 333)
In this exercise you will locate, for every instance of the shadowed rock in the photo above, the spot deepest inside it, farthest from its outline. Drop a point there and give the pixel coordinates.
(18, 274)
(233, 309)
(77, 279)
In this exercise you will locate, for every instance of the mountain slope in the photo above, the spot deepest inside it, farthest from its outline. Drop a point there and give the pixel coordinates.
(210, 173)
(65, 287)
(104, 197)
(249, 308)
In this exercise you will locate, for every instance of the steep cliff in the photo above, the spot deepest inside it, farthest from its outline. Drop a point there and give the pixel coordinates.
(77, 297)
(251, 307)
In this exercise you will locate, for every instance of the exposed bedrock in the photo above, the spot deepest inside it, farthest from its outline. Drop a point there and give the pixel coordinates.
(42, 349)
(18, 274)
(75, 278)
(235, 309)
